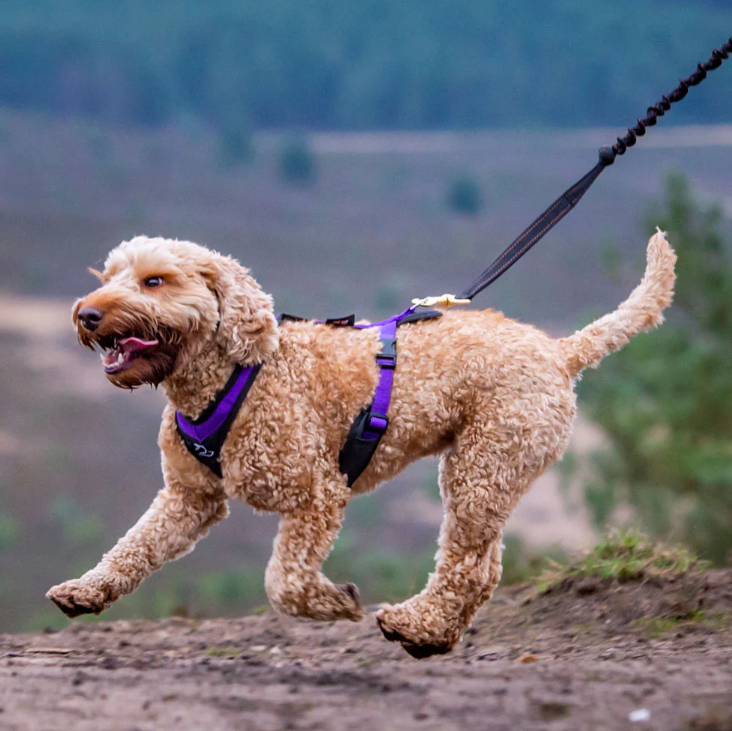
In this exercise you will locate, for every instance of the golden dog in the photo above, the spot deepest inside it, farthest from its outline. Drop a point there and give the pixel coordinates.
(492, 396)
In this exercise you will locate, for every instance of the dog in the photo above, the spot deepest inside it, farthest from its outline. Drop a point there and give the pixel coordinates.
(492, 396)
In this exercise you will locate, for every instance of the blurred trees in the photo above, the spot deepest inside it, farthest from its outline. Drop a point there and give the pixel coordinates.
(235, 146)
(464, 196)
(665, 401)
(297, 163)
(372, 64)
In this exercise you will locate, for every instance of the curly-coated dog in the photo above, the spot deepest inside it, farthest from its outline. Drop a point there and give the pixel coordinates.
(492, 396)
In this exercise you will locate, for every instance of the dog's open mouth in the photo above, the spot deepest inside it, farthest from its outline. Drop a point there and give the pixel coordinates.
(121, 353)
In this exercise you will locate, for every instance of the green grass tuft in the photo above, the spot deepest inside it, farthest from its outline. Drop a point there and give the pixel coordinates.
(660, 626)
(625, 555)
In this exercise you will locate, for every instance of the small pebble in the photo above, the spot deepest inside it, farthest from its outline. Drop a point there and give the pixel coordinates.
(641, 715)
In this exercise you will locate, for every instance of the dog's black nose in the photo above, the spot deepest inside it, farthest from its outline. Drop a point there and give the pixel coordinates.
(90, 317)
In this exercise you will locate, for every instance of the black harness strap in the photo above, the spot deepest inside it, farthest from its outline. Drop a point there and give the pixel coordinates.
(204, 437)
(569, 199)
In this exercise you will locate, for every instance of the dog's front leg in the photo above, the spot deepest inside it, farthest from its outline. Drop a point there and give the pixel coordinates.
(294, 582)
(177, 518)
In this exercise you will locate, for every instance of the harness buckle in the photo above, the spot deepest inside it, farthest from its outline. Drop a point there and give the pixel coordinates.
(387, 356)
(445, 300)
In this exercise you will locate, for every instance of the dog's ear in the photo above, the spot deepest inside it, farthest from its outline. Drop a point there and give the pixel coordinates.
(247, 324)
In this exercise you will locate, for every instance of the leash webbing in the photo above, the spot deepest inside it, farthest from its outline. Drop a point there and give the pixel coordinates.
(569, 199)
(534, 233)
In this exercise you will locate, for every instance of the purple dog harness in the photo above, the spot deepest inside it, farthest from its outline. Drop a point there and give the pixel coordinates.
(205, 436)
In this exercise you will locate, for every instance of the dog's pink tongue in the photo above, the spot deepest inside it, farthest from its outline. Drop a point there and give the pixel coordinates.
(132, 345)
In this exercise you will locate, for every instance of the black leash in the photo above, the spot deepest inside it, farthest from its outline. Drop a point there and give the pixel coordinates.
(570, 198)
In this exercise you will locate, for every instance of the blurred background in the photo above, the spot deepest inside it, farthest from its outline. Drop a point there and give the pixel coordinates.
(355, 155)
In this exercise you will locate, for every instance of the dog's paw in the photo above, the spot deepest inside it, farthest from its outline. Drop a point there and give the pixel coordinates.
(334, 601)
(74, 598)
(323, 601)
(350, 606)
(399, 624)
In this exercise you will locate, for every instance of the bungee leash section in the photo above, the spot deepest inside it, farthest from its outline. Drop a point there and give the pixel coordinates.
(571, 197)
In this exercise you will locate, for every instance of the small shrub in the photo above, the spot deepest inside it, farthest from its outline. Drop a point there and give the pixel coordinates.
(464, 196)
(664, 401)
(297, 163)
(626, 555)
(660, 626)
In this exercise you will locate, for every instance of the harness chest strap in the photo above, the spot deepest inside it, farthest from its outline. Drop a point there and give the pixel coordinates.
(204, 437)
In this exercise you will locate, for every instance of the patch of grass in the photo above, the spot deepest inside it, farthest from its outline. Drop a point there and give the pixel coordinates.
(365, 512)
(718, 621)
(660, 626)
(625, 555)
(223, 651)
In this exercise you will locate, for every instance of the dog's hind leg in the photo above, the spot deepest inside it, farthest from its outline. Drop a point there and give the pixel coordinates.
(294, 582)
(492, 463)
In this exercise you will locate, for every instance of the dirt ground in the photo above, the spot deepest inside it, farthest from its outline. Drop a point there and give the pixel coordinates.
(585, 656)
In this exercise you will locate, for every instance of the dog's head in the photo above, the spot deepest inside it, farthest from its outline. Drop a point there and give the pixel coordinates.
(163, 302)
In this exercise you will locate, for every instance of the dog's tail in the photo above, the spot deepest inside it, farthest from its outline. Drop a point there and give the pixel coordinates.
(642, 311)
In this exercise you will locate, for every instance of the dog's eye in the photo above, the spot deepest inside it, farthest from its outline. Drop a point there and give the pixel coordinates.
(153, 282)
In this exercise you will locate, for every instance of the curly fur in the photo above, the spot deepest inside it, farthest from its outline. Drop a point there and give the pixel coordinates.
(492, 396)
